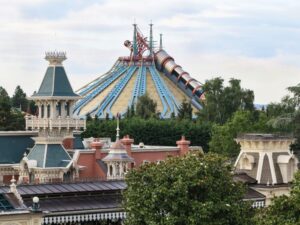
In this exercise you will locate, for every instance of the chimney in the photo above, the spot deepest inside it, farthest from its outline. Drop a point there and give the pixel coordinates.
(127, 142)
(183, 145)
(97, 145)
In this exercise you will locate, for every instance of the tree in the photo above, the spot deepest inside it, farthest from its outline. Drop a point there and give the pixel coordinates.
(295, 90)
(185, 110)
(5, 109)
(284, 210)
(19, 99)
(222, 139)
(222, 102)
(130, 112)
(194, 189)
(146, 107)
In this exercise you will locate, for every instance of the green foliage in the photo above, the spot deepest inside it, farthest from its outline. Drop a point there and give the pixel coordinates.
(152, 131)
(284, 210)
(146, 107)
(130, 112)
(222, 102)
(222, 140)
(286, 106)
(19, 100)
(9, 119)
(194, 189)
(5, 109)
(295, 90)
(185, 110)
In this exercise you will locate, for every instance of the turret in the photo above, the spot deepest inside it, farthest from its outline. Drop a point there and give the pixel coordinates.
(48, 160)
(55, 100)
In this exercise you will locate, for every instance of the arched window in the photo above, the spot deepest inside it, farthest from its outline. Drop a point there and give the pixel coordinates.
(31, 177)
(117, 169)
(246, 162)
(42, 111)
(58, 109)
(110, 170)
(48, 111)
(67, 107)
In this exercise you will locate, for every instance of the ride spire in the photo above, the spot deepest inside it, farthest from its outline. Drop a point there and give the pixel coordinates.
(135, 48)
(151, 39)
(160, 42)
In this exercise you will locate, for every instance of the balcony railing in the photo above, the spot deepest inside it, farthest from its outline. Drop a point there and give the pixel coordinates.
(33, 122)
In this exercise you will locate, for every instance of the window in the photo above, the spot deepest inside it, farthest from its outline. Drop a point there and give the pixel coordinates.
(48, 111)
(42, 113)
(67, 107)
(258, 204)
(58, 109)
(146, 162)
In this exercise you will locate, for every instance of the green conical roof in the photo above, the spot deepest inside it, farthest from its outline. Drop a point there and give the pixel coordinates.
(55, 83)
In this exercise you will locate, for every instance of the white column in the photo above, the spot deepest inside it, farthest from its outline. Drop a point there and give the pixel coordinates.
(39, 109)
(53, 110)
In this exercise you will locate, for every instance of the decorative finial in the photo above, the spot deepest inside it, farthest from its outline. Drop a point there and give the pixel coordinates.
(118, 128)
(13, 189)
(55, 58)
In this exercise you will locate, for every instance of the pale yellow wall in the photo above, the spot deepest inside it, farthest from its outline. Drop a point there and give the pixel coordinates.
(271, 192)
(21, 219)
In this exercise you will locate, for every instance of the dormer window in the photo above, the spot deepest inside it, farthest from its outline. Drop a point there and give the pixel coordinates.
(247, 162)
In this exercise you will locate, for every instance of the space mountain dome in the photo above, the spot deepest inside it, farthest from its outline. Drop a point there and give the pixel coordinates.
(148, 69)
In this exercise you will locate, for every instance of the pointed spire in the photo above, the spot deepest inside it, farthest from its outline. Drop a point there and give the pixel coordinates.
(135, 50)
(160, 42)
(151, 39)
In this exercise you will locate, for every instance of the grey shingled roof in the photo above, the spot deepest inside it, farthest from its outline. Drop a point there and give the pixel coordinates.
(67, 188)
(12, 147)
(93, 195)
(78, 203)
(55, 83)
(49, 155)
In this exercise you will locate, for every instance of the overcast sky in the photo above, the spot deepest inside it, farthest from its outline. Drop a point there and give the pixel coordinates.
(257, 41)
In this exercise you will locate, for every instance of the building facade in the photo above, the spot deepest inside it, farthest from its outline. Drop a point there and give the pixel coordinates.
(268, 160)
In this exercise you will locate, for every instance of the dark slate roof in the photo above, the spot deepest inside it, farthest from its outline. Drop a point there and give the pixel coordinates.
(244, 178)
(257, 136)
(77, 142)
(78, 203)
(55, 83)
(13, 146)
(4, 204)
(49, 155)
(251, 194)
(67, 188)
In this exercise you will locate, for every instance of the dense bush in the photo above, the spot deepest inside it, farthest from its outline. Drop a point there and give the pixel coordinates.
(152, 131)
